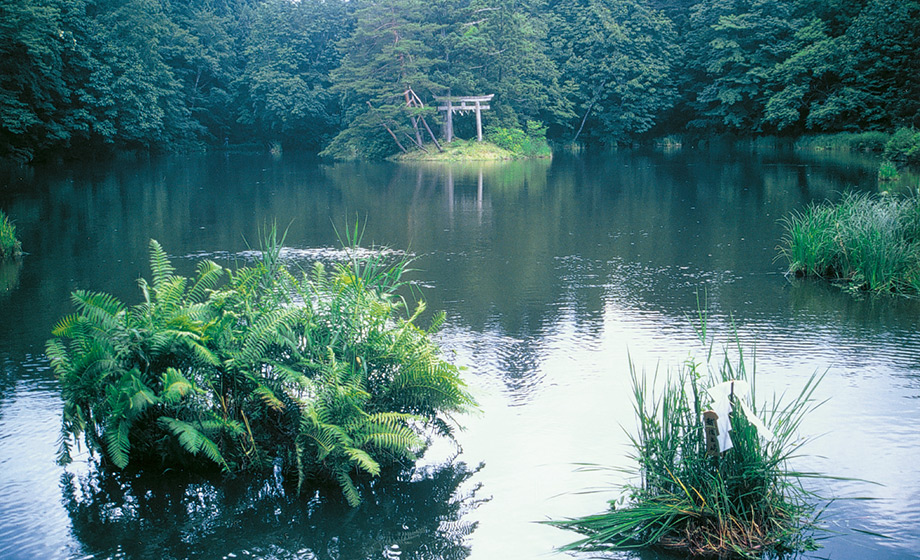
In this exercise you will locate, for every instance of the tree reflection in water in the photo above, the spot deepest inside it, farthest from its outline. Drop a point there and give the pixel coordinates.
(416, 514)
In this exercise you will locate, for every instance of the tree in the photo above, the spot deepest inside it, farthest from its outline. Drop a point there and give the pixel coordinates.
(735, 45)
(390, 52)
(290, 53)
(617, 57)
(503, 47)
(32, 85)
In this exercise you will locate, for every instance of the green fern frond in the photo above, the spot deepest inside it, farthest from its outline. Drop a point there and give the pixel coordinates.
(58, 356)
(222, 425)
(67, 326)
(201, 352)
(193, 441)
(404, 444)
(169, 293)
(118, 444)
(63, 450)
(209, 276)
(349, 490)
(392, 420)
(160, 266)
(268, 397)
(103, 311)
(437, 322)
(361, 459)
(175, 386)
(212, 452)
(105, 303)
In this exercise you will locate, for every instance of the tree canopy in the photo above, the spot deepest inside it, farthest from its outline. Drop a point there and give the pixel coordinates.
(83, 75)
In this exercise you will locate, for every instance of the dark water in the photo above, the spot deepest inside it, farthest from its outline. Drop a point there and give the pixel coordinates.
(552, 275)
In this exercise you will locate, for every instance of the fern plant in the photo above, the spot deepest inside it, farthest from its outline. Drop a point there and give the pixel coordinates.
(237, 368)
(123, 370)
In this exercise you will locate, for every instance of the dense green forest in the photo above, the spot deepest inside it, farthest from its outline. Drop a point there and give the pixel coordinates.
(87, 76)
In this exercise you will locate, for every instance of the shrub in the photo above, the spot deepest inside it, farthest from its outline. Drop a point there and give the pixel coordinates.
(742, 502)
(527, 143)
(904, 145)
(326, 373)
(10, 246)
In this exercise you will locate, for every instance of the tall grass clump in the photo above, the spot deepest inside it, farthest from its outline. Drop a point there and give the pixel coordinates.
(324, 373)
(745, 502)
(868, 242)
(10, 246)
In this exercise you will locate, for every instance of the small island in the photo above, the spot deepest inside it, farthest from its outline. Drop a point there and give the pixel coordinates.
(468, 150)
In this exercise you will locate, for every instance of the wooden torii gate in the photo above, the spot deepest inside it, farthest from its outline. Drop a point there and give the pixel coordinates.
(454, 104)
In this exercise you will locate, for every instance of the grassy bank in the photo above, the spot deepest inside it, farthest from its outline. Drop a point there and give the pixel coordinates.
(694, 499)
(458, 150)
(868, 242)
(10, 246)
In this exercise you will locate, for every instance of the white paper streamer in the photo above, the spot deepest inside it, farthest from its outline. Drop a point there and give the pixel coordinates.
(722, 405)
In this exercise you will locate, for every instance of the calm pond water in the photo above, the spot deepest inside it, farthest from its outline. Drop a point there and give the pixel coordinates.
(552, 275)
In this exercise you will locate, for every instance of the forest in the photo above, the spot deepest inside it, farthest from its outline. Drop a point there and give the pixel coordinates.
(94, 76)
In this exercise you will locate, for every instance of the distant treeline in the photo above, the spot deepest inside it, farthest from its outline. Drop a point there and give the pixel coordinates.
(84, 76)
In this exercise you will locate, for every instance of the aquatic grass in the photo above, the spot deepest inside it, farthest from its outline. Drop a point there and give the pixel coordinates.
(10, 246)
(869, 242)
(743, 503)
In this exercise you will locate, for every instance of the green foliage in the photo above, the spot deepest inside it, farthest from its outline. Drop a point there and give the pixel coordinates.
(887, 171)
(852, 141)
(10, 246)
(868, 242)
(80, 75)
(529, 143)
(744, 502)
(233, 368)
(904, 145)
(289, 54)
(616, 58)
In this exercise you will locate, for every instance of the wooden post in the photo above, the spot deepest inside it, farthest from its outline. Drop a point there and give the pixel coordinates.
(478, 122)
(450, 121)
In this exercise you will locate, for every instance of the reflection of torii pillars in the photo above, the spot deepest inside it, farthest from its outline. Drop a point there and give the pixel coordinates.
(450, 194)
(472, 103)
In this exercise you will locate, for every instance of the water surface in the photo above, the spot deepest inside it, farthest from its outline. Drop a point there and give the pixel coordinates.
(552, 275)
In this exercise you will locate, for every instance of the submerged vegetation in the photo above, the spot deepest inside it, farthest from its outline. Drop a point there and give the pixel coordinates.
(868, 242)
(745, 501)
(10, 246)
(325, 375)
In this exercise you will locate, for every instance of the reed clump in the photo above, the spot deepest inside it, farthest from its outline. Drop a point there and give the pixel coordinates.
(742, 503)
(868, 242)
(10, 246)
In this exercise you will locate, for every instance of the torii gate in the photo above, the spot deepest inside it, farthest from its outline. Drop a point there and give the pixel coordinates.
(471, 103)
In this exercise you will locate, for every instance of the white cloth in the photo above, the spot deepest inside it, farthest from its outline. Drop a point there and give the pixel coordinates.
(722, 405)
